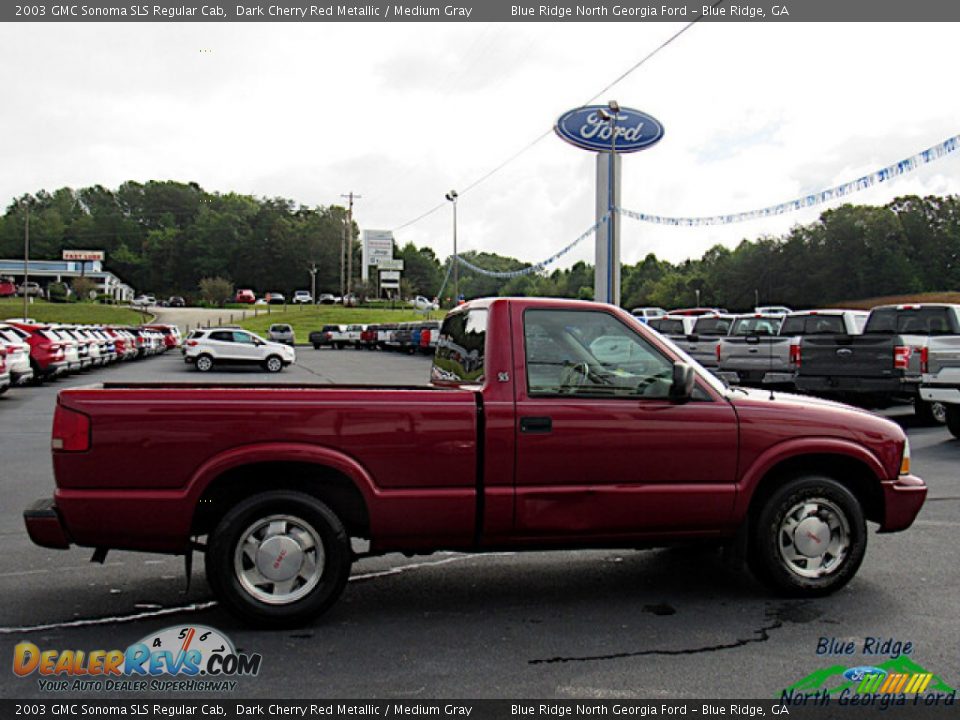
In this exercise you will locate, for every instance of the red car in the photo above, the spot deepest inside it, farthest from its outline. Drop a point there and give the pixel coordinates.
(8, 287)
(245, 296)
(548, 424)
(47, 349)
(171, 334)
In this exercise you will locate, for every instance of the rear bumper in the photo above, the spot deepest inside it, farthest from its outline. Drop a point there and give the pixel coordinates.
(902, 500)
(948, 395)
(45, 526)
(852, 385)
(21, 377)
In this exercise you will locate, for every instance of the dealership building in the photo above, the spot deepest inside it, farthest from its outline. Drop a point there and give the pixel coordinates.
(45, 272)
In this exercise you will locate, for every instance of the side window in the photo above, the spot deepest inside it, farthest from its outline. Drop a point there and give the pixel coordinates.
(460, 347)
(222, 336)
(242, 337)
(590, 353)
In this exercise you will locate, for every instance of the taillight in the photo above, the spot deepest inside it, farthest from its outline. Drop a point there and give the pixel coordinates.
(795, 355)
(192, 343)
(901, 357)
(71, 430)
(717, 350)
(924, 357)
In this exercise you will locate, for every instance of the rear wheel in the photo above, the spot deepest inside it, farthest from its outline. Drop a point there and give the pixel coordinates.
(939, 412)
(279, 558)
(204, 363)
(809, 538)
(926, 412)
(273, 364)
(952, 413)
(316, 346)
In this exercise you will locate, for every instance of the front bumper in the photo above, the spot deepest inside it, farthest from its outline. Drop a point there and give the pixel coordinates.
(44, 525)
(902, 500)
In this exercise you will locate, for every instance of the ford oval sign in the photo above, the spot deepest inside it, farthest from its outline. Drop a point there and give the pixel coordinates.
(585, 127)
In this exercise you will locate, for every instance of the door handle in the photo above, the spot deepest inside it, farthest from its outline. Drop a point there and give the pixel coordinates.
(536, 424)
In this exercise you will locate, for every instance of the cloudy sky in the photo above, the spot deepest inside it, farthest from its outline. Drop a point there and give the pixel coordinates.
(755, 114)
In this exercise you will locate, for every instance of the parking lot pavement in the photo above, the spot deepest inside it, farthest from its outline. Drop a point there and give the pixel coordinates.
(684, 622)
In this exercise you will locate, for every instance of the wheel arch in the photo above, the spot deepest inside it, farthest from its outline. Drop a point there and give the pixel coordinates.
(852, 467)
(336, 480)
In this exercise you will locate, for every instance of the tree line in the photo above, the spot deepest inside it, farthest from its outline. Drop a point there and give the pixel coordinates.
(164, 237)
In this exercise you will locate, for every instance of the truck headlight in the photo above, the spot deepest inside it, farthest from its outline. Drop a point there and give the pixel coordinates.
(905, 460)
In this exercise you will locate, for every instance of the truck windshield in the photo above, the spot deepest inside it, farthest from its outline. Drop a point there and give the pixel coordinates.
(756, 326)
(712, 326)
(813, 325)
(919, 321)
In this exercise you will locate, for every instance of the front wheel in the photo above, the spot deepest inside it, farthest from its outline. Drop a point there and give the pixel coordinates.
(279, 559)
(273, 364)
(952, 413)
(809, 538)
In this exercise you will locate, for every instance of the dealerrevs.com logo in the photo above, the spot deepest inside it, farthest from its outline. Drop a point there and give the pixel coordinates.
(187, 658)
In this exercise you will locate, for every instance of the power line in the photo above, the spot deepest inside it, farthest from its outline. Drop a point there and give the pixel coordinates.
(549, 132)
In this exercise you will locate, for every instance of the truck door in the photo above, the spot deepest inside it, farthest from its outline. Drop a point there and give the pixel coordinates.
(601, 449)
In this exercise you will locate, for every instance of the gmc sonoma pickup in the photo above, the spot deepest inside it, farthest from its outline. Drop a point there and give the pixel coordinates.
(549, 423)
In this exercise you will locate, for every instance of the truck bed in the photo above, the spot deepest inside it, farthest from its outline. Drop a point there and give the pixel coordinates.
(415, 447)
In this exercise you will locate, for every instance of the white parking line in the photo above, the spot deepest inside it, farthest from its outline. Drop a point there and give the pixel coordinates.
(20, 573)
(197, 607)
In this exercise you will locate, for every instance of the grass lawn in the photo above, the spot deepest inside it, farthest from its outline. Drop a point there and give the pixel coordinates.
(78, 313)
(306, 318)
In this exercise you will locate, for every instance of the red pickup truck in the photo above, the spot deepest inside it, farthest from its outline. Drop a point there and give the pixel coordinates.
(549, 424)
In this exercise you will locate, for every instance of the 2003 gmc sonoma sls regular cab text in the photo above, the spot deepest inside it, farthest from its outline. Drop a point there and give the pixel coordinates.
(548, 424)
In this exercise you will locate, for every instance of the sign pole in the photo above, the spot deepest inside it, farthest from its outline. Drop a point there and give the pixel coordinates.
(609, 131)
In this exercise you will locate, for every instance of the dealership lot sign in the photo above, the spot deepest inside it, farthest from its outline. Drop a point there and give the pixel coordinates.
(588, 128)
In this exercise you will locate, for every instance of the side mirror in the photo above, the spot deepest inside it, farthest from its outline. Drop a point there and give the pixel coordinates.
(684, 379)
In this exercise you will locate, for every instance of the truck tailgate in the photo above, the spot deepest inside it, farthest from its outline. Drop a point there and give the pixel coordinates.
(848, 356)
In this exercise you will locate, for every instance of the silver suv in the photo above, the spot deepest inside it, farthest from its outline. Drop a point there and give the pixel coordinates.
(230, 346)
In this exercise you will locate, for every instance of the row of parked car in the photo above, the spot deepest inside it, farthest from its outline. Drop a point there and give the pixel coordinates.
(32, 351)
(410, 337)
(893, 353)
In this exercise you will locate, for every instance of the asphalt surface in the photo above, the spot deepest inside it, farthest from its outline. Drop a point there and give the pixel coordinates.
(678, 623)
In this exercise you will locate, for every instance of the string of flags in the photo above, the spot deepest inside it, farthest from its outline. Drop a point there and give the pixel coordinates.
(848, 188)
(540, 265)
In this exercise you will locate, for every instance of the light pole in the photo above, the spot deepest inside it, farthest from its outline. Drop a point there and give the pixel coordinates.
(452, 197)
(26, 259)
(611, 117)
(313, 282)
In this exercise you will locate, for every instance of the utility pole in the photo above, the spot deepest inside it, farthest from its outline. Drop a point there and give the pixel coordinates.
(348, 236)
(26, 261)
(313, 281)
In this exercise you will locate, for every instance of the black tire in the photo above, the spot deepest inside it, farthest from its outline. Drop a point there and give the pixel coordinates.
(303, 516)
(316, 346)
(836, 518)
(924, 412)
(273, 364)
(953, 419)
(204, 363)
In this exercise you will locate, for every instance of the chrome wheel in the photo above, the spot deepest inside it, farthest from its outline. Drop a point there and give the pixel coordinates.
(939, 412)
(279, 559)
(814, 538)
